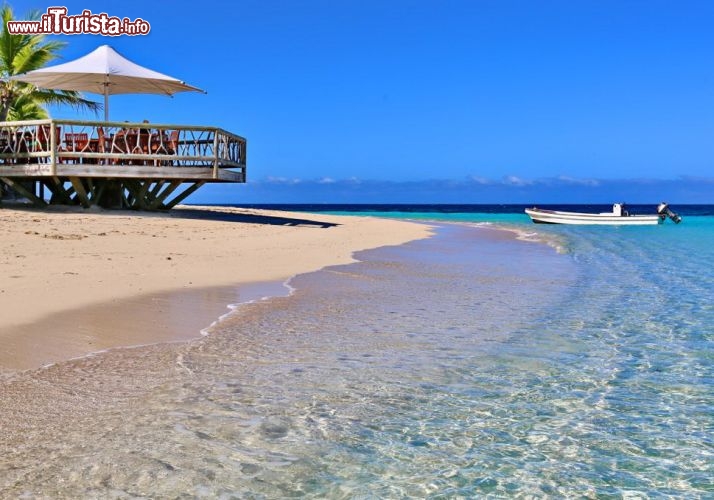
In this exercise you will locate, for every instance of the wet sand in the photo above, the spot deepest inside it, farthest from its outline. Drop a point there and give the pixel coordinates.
(76, 282)
(319, 394)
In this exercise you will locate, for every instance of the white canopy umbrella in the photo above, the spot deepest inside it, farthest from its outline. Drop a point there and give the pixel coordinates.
(105, 71)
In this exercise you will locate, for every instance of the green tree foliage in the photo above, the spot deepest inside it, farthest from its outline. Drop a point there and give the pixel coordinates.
(20, 54)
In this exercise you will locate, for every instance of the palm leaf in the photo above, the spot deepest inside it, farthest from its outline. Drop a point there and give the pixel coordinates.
(24, 53)
(25, 108)
(66, 97)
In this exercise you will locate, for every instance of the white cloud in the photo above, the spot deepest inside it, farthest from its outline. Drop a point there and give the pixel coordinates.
(580, 182)
(281, 180)
(513, 180)
(480, 180)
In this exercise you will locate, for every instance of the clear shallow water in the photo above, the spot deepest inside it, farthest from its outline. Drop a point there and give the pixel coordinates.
(455, 366)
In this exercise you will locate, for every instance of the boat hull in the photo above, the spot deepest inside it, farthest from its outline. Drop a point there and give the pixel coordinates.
(541, 216)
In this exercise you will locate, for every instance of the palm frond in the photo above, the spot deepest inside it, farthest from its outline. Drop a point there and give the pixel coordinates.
(11, 45)
(32, 57)
(66, 97)
(25, 108)
(21, 54)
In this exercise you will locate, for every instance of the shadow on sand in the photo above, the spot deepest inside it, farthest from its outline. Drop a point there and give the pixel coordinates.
(185, 212)
(249, 218)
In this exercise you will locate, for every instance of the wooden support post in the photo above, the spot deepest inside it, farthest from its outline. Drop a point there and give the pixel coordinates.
(89, 186)
(98, 190)
(189, 191)
(57, 187)
(129, 185)
(109, 194)
(142, 194)
(81, 192)
(155, 190)
(158, 202)
(124, 200)
(57, 190)
(137, 194)
(3, 190)
(21, 190)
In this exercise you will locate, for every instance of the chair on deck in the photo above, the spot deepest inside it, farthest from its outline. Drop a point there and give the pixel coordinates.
(122, 142)
(131, 141)
(166, 145)
(174, 142)
(43, 136)
(76, 143)
(5, 144)
(138, 143)
(157, 145)
(44, 139)
(103, 145)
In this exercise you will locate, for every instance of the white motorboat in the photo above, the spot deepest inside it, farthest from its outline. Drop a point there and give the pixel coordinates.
(619, 216)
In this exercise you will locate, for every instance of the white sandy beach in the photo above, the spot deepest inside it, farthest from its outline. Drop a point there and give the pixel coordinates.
(64, 271)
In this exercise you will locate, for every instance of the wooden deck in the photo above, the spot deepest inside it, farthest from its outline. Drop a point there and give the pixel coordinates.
(115, 164)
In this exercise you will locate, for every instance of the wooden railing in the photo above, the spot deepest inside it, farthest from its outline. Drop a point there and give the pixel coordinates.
(48, 147)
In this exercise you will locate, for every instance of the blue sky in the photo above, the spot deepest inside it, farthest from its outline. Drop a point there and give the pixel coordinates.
(436, 101)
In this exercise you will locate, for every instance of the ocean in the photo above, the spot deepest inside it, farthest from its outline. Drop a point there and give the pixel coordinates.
(563, 362)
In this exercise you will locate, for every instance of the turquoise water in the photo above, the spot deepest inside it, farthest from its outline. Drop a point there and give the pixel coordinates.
(470, 217)
(611, 387)
(467, 365)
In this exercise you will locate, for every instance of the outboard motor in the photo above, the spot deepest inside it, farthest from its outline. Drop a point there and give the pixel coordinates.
(664, 211)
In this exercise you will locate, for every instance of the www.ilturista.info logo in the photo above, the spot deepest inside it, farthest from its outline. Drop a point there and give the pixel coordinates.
(57, 22)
